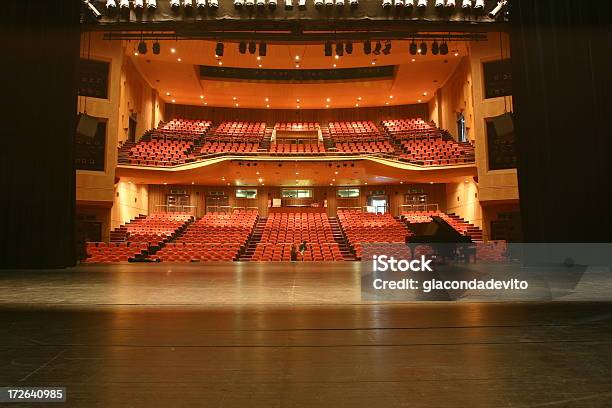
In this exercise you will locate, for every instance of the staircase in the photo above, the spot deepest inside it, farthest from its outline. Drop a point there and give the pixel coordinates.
(463, 227)
(253, 240)
(341, 240)
(264, 146)
(327, 141)
(119, 234)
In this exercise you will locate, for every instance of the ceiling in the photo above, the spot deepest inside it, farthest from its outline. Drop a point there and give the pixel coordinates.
(174, 74)
(295, 173)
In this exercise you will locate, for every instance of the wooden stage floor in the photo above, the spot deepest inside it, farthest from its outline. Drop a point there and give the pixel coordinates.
(284, 336)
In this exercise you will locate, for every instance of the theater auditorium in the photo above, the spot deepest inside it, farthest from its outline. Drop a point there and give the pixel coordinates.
(194, 190)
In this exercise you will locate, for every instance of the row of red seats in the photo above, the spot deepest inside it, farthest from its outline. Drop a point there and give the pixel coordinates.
(243, 131)
(157, 227)
(282, 252)
(200, 252)
(159, 152)
(353, 131)
(100, 252)
(296, 228)
(297, 148)
(371, 227)
(419, 217)
(228, 147)
(297, 127)
(366, 147)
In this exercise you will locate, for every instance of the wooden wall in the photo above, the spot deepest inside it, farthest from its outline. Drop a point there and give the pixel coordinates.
(272, 116)
(436, 193)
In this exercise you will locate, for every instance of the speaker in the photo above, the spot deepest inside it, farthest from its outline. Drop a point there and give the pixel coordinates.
(504, 125)
(87, 125)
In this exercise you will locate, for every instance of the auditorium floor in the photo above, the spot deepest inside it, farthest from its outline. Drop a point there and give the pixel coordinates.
(284, 336)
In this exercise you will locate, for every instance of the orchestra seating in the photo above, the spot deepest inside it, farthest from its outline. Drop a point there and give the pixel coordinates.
(284, 229)
(100, 252)
(361, 227)
(157, 228)
(252, 132)
(354, 131)
(419, 217)
(463, 227)
(294, 148)
(214, 237)
(182, 129)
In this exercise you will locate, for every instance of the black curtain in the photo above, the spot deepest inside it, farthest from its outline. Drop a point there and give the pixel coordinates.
(40, 52)
(562, 76)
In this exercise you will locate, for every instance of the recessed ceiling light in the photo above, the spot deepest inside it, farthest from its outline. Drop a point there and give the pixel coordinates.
(193, 182)
(297, 57)
(174, 100)
(456, 54)
(298, 107)
(386, 103)
(331, 184)
(136, 53)
(424, 93)
(259, 65)
(366, 183)
(334, 65)
(390, 96)
(205, 103)
(328, 100)
(298, 100)
(258, 58)
(335, 172)
(336, 56)
(431, 182)
(373, 62)
(257, 173)
(237, 105)
(201, 96)
(229, 184)
(297, 172)
(260, 179)
(173, 50)
(167, 93)
(179, 59)
(234, 98)
(419, 101)
(333, 179)
(414, 59)
(267, 106)
(220, 63)
(357, 105)
(327, 106)
(165, 184)
(359, 98)
(267, 99)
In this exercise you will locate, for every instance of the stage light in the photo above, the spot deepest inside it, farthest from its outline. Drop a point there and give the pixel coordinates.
(444, 48)
(354, 3)
(151, 4)
(450, 4)
(386, 4)
(142, 47)
(201, 4)
(479, 6)
(409, 4)
(422, 4)
(498, 9)
(387, 49)
(328, 49)
(348, 47)
(413, 48)
(302, 4)
(288, 4)
(272, 4)
(214, 4)
(238, 3)
(156, 48)
(318, 4)
(423, 48)
(139, 4)
(439, 4)
(263, 49)
(219, 49)
(367, 47)
(242, 47)
(92, 9)
(111, 4)
(329, 3)
(261, 3)
(124, 4)
(339, 49)
(339, 3)
(399, 4)
(377, 48)
(175, 5)
(467, 4)
(188, 4)
(252, 47)
(435, 48)
(249, 3)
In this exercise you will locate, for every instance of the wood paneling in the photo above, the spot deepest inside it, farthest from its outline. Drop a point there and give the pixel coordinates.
(271, 116)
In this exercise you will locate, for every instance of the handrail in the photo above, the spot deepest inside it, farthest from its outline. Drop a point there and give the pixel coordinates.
(176, 208)
(419, 207)
(376, 208)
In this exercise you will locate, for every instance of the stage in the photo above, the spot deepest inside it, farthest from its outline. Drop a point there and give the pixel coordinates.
(288, 335)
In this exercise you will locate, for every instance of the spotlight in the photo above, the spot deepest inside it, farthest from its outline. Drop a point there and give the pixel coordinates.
(339, 3)
(422, 5)
(201, 4)
(151, 4)
(339, 49)
(318, 4)
(252, 47)
(367, 47)
(443, 48)
(238, 3)
(175, 5)
(348, 47)
(377, 48)
(386, 4)
(328, 49)
(272, 4)
(413, 48)
(219, 49)
(288, 4)
(242, 47)
(250, 3)
(423, 48)
(329, 3)
(466, 5)
(498, 9)
(261, 3)
(213, 4)
(156, 48)
(439, 4)
(450, 4)
(354, 3)
(111, 4)
(302, 4)
(139, 4)
(92, 9)
(142, 47)
(399, 4)
(387, 49)
(435, 48)
(188, 4)
(479, 6)
(409, 4)
(263, 49)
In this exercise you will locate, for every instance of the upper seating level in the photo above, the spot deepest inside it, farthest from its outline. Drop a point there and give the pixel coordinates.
(413, 128)
(381, 146)
(157, 152)
(297, 126)
(240, 131)
(354, 131)
(182, 129)
(294, 148)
